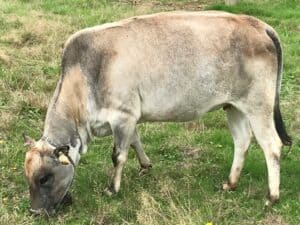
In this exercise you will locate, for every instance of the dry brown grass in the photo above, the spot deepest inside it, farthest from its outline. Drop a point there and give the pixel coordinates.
(35, 43)
(39, 37)
(272, 219)
(4, 58)
(153, 213)
(184, 5)
(147, 6)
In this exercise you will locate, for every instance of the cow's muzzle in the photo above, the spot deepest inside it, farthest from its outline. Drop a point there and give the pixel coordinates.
(66, 201)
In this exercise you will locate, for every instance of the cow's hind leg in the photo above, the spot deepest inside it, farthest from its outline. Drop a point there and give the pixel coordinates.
(241, 133)
(263, 126)
(123, 133)
(144, 161)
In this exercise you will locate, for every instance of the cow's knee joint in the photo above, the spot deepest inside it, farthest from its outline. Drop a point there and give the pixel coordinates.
(118, 156)
(114, 158)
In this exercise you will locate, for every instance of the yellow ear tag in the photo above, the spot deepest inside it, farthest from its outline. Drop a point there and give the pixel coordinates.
(63, 159)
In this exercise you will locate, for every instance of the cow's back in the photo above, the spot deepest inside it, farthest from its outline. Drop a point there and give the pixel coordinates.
(170, 66)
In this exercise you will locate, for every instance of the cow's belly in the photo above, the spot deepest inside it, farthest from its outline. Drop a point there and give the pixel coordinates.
(179, 108)
(183, 95)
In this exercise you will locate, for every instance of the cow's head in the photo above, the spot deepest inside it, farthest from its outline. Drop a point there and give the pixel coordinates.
(49, 172)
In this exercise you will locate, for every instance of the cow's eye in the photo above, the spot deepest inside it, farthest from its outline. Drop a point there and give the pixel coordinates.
(45, 179)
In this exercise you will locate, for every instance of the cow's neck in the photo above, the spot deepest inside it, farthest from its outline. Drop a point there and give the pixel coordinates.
(60, 131)
(66, 116)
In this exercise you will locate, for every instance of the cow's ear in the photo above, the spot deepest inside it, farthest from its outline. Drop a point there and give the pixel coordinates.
(28, 141)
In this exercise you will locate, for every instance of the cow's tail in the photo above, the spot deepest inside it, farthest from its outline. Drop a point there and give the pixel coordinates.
(279, 124)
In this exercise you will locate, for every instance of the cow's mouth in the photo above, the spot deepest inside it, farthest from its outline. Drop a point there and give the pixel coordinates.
(66, 201)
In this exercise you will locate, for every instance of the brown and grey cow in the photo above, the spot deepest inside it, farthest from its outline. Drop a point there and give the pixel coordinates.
(172, 66)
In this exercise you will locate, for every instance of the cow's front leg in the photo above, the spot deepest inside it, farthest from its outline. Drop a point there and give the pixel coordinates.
(122, 133)
(144, 161)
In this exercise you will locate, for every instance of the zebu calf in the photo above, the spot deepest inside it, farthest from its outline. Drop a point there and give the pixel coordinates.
(172, 66)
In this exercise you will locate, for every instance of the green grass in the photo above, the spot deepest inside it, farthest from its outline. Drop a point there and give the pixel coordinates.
(181, 188)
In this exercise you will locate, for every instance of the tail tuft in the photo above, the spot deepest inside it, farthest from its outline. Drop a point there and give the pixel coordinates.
(279, 124)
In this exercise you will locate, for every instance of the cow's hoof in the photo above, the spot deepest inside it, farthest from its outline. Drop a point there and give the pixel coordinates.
(227, 186)
(271, 201)
(268, 203)
(109, 191)
(144, 169)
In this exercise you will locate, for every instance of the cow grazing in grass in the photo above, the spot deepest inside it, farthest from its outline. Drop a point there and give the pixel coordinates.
(172, 66)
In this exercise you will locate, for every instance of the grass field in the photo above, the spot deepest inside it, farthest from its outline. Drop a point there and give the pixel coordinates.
(190, 160)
